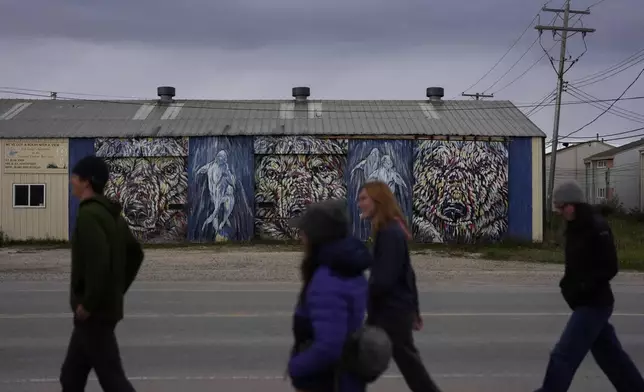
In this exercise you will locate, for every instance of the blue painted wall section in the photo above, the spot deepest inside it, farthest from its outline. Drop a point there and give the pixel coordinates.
(520, 189)
(220, 196)
(78, 149)
(385, 160)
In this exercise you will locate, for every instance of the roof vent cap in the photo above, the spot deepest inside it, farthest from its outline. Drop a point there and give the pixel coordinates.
(166, 93)
(435, 93)
(301, 93)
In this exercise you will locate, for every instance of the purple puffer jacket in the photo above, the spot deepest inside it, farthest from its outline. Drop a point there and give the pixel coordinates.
(334, 307)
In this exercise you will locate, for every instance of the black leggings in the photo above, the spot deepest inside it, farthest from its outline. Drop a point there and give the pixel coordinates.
(399, 327)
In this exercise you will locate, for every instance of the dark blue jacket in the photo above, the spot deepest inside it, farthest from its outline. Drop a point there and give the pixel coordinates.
(392, 283)
(334, 307)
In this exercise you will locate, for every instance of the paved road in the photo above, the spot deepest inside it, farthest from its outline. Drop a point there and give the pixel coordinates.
(234, 336)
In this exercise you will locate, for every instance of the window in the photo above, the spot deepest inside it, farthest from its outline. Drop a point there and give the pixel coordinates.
(600, 164)
(601, 193)
(28, 195)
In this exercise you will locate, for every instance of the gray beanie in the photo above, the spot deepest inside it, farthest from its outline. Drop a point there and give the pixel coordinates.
(568, 193)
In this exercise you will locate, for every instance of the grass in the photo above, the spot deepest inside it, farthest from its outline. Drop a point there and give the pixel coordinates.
(629, 240)
(628, 231)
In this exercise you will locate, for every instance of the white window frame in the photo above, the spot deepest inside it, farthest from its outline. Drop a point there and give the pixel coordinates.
(599, 193)
(13, 195)
(600, 165)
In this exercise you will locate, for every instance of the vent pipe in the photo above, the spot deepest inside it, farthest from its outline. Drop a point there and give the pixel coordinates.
(166, 94)
(301, 93)
(435, 93)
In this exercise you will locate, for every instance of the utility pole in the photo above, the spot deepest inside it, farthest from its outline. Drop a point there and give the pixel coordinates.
(478, 95)
(565, 29)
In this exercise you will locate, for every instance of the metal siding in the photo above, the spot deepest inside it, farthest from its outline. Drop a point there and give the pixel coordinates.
(78, 149)
(49, 223)
(520, 186)
(47, 118)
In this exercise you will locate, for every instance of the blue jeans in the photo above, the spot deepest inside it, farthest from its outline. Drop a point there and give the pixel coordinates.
(589, 330)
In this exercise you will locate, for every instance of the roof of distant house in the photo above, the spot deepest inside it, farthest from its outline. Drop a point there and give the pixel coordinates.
(572, 146)
(614, 151)
(150, 118)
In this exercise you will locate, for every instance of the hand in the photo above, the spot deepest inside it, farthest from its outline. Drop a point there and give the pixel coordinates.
(418, 323)
(81, 313)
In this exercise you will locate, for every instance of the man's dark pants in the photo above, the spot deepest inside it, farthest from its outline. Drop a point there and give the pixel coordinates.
(93, 345)
(589, 330)
(399, 328)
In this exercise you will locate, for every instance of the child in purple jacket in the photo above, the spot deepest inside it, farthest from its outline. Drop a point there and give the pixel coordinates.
(332, 302)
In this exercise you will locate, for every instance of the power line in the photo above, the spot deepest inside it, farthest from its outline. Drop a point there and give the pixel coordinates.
(526, 71)
(226, 105)
(615, 69)
(565, 29)
(69, 93)
(508, 51)
(615, 110)
(603, 137)
(606, 110)
(512, 67)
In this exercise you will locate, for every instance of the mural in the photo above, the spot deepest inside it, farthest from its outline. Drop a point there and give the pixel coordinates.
(299, 145)
(221, 189)
(460, 191)
(141, 147)
(382, 160)
(151, 188)
(286, 184)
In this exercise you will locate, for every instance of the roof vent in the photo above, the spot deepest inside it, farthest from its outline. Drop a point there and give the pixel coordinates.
(166, 94)
(435, 93)
(301, 93)
(566, 144)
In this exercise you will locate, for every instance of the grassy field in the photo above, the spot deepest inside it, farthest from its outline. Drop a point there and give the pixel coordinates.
(629, 238)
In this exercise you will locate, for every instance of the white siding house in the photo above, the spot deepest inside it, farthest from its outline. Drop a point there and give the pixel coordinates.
(616, 174)
(570, 161)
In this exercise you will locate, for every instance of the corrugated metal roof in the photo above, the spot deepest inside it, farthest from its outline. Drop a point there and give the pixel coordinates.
(614, 151)
(84, 118)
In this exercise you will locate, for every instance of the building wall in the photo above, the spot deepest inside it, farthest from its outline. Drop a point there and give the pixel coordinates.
(385, 160)
(240, 188)
(291, 172)
(42, 161)
(221, 188)
(149, 177)
(624, 178)
(570, 162)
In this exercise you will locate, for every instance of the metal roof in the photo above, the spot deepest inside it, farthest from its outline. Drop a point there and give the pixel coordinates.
(88, 118)
(614, 151)
(572, 146)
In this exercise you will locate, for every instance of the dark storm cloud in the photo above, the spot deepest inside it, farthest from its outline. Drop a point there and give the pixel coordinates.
(244, 24)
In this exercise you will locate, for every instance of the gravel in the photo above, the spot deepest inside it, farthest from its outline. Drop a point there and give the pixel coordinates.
(262, 264)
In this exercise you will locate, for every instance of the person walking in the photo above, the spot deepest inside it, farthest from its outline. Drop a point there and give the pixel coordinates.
(332, 301)
(393, 296)
(590, 264)
(105, 261)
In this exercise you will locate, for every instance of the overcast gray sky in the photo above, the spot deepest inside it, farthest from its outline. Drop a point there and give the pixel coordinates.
(342, 49)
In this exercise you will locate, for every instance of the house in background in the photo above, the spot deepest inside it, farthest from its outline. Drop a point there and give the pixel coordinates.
(616, 173)
(570, 161)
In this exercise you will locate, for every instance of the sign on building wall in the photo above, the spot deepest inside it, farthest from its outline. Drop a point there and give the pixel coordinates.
(35, 156)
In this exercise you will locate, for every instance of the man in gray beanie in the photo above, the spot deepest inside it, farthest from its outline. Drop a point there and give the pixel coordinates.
(591, 263)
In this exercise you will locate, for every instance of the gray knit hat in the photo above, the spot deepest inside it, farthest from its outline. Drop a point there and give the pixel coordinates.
(568, 193)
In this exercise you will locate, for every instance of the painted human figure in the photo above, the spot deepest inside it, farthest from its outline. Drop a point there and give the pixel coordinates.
(376, 168)
(221, 184)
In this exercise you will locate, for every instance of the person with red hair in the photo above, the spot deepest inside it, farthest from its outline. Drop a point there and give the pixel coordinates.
(393, 296)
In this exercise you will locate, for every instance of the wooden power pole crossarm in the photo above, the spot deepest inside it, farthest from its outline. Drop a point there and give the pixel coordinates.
(565, 29)
(478, 95)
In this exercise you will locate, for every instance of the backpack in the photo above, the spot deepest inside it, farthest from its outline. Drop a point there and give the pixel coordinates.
(367, 353)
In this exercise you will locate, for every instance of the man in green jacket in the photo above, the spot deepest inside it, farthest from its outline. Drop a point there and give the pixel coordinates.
(105, 261)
